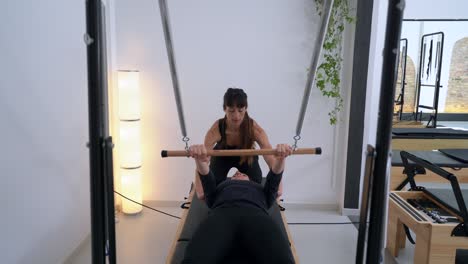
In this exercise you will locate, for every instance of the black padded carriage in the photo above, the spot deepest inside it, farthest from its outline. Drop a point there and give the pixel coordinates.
(438, 158)
(421, 133)
(457, 154)
(197, 212)
(443, 193)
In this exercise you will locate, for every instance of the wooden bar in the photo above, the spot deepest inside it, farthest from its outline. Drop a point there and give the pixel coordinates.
(180, 227)
(428, 143)
(240, 152)
(288, 232)
(408, 124)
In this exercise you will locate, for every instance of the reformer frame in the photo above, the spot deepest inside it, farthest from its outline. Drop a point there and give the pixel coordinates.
(100, 142)
(426, 143)
(402, 57)
(419, 85)
(424, 139)
(436, 243)
(174, 256)
(399, 178)
(400, 100)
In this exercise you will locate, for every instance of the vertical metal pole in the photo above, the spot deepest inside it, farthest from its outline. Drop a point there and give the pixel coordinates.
(418, 84)
(437, 83)
(326, 13)
(172, 64)
(92, 39)
(110, 209)
(403, 77)
(384, 127)
(365, 198)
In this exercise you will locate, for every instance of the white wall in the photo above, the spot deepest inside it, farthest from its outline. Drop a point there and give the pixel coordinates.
(434, 9)
(263, 47)
(342, 129)
(43, 109)
(374, 75)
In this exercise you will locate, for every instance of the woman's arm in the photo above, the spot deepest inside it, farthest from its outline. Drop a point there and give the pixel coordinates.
(205, 177)
(199, 187)
(263, 142)
(276, 172)
(212, 136)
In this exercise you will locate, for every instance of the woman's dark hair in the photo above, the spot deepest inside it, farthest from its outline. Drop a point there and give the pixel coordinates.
(236, 97)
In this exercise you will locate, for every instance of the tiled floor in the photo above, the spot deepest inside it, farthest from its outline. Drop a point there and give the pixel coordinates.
(147, 237)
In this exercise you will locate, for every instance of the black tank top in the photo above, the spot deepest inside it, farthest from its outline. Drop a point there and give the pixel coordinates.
(222, 143)
(221, 165)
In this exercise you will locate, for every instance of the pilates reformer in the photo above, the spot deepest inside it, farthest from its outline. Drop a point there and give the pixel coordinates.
(197, 210)
(453, 160)
(429, 138)
(435, 213)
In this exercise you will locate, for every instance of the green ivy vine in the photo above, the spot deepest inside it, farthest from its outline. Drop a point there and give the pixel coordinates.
(327, 78)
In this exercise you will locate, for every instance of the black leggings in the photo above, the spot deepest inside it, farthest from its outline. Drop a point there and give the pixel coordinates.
(246, 231)
(220, 167)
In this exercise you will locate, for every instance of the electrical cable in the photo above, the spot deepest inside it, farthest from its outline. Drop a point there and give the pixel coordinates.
(159, 211)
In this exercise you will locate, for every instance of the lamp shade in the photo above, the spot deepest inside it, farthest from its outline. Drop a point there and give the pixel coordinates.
(131, 181)
(130, 144)
(129, 95)
(130, 140)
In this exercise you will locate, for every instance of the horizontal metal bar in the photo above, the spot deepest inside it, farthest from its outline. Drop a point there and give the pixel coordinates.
(426, 107)
(410, 209)
(454, 117)
(432, 34)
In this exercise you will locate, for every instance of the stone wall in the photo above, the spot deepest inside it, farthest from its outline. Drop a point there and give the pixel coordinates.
(457, 94)
(410, 87)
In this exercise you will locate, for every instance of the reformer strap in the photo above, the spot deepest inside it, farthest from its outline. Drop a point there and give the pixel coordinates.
(408, 234)
(172, 64)
(327, 7)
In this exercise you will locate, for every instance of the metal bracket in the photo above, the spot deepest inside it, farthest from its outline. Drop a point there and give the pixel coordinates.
(416, 169)
(418, 188)
(460, 230)
(184, 205)
(88, 40)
